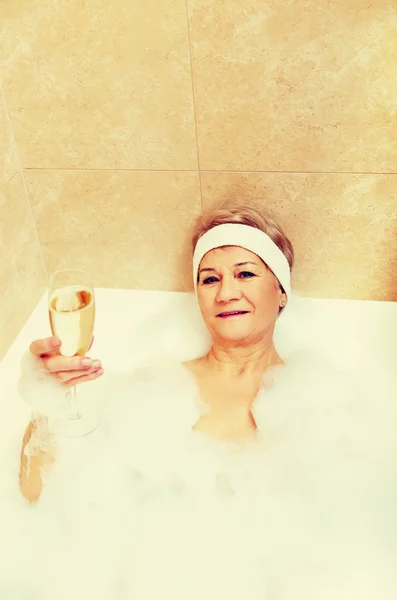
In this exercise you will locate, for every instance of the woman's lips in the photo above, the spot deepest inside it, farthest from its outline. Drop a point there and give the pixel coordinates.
(233, 313)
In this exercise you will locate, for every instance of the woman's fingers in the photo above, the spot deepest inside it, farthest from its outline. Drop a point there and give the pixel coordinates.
(82, 378)
(48, 346)
(58, 363)
(69, 370)
(45, 347)
(73, 373)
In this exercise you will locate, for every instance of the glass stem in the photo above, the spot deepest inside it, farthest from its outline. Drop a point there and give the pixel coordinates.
(73, 412)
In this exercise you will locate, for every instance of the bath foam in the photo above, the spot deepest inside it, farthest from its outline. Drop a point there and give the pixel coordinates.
(128, 469)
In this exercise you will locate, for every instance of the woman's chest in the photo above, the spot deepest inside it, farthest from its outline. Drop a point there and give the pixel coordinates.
(226, 408)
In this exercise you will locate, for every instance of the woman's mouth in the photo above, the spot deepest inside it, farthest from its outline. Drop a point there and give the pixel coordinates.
(232, 313)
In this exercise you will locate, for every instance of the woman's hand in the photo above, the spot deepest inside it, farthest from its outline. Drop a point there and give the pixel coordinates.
(69, 370)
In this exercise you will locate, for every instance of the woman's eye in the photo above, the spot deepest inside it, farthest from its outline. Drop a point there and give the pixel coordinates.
(210, 280)
(246, 274)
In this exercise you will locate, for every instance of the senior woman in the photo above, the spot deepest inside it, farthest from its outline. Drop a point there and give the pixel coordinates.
(237, 475)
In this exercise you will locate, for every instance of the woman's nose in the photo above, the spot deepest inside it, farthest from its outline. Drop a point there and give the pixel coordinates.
(228, 290)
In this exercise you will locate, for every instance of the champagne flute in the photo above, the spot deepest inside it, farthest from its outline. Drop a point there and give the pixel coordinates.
(71, 307)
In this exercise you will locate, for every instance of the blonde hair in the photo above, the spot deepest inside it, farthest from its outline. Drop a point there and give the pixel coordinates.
(246, 214)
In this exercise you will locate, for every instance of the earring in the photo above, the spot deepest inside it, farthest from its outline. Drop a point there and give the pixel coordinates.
(282, 303)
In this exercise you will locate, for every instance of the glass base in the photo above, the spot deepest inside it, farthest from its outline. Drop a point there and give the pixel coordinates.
(77, 426)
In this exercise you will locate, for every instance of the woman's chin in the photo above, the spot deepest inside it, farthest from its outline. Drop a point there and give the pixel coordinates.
(232, 332)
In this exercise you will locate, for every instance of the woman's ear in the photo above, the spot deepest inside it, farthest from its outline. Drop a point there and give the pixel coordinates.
(283, 300)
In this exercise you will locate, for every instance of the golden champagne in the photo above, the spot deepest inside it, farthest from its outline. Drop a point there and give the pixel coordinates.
(72, 315)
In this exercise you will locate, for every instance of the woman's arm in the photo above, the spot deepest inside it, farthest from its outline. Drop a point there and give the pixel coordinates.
(45, 376)
(37, 455)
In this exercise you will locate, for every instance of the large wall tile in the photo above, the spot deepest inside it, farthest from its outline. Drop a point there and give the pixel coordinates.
(100, 85)
(343, 227)
(22, 273)
(8, 153)
(295, 86)
(129, 229)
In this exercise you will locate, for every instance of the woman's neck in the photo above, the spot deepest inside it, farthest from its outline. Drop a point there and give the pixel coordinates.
(242, 360)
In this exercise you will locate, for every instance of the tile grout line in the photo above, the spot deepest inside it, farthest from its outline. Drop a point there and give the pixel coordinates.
(111, 169)
(24, 183)
(194, 101)
(132, 170)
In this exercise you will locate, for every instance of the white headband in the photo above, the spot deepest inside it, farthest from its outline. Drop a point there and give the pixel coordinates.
(250, 238)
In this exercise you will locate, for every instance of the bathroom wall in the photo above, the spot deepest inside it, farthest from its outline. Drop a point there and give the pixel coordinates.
(22, 271)
(130, 117)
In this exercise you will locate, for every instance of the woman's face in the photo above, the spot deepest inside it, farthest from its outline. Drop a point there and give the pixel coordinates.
(234, 279)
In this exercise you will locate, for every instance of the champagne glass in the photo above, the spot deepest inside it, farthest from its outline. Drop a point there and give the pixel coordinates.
(71, 307)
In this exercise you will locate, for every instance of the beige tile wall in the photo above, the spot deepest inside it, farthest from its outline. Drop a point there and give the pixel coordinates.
(22, 271)
(128, 228)
(100, 85)
(295, 86)
(131, 116)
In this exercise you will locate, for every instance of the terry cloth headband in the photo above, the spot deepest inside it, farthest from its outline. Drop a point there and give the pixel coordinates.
(250, 238)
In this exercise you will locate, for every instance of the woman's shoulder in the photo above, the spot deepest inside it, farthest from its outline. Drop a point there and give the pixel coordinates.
(316, 406)
(310, 396)
(166, 373)
(153, 395)
(140, 380)
(311, 379)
